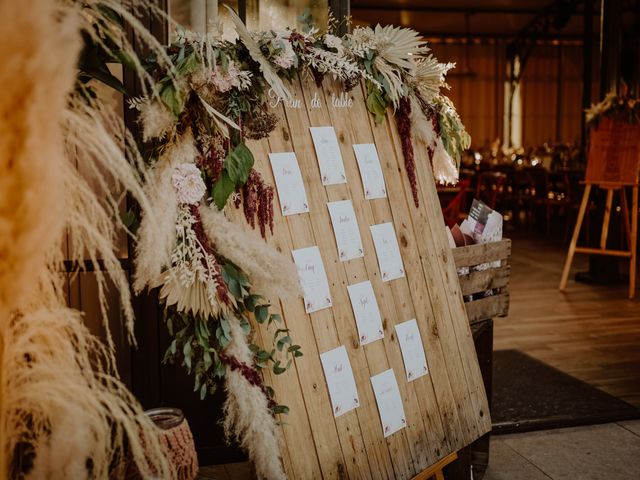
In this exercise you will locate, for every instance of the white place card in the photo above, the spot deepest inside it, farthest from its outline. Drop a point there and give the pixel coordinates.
(370, 170)
(415, 361)
(387, 251)
(389, 402)
(345, 228)
(286, 171)
(366, 311)
(329, 156)
(340, 381)
(313, 279)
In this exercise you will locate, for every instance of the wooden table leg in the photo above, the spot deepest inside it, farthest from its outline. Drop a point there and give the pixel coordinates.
(574, 238)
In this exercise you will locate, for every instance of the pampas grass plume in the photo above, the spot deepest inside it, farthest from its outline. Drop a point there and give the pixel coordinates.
(271, 272)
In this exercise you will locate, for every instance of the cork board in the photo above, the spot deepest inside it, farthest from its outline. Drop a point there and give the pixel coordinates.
(446, 409)
(614, 153)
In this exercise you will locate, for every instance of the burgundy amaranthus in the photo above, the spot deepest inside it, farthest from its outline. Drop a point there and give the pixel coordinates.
(221, 286)
(403, 120)
(249, 373)
(257, 200)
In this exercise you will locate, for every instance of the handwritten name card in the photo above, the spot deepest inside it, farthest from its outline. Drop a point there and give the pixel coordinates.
(286, 171)
(345, 228)
(366, 311)
(329, 156)
(385, 388)
(313, 279)
(387, 251)
(415, 361)
(370, 170)
(340, 381)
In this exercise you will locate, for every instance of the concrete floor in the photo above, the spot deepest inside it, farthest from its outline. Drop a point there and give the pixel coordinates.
(599, 452)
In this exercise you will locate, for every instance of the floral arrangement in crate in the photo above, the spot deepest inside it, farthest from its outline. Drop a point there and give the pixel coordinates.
(214, 275)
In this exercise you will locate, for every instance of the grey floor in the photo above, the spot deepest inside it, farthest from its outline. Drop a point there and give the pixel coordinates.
(599, 452)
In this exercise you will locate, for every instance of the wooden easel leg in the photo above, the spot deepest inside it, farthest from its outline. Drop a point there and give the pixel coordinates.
(624, 206)
(605, 221)
(634, 241)
(574, 238)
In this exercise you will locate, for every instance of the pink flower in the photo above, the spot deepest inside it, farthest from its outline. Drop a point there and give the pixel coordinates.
(188, 184)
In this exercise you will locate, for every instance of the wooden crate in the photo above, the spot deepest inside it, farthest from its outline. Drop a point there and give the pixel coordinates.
(481, 312)
(475, 282)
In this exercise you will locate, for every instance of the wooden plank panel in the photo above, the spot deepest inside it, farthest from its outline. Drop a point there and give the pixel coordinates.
(288, 389)
(481, 253)
(484, 280)
(346, 333)
(476, 412)
(370, 213)
(442, 408)
(489, 307)
(429, 255)
(354, 459)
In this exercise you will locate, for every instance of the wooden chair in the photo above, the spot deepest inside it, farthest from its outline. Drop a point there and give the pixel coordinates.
(491, 188)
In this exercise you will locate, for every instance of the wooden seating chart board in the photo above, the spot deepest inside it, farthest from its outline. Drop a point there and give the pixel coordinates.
(614, 153)
(446, 409)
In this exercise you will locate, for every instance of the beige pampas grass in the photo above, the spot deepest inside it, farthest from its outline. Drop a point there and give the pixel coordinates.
(157, 233)
(270, 272)
(444, 168)
(66, 403)
(247, 416)
(58, 389)
(421, 127)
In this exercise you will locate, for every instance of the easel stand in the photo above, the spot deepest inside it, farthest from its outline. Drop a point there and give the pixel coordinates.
(630, 219)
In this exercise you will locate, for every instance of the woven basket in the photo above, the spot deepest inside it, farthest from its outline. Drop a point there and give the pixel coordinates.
(175, 437)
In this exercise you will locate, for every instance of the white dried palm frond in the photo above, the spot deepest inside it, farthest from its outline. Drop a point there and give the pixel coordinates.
(399, 46)
(267, 70)
(394, 86)
(194, 298)
(219, 118)
(429, 77)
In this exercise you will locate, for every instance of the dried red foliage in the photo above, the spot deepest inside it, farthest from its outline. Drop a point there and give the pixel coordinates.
(257, 201)
(403, 120)
(249, 373)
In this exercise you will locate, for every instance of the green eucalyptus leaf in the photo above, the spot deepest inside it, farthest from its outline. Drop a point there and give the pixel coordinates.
(239, 163)
(280, 409)
(246, 326)
(222, 189)
(171, 98)
(262, 313)
(186, 351)
(203, 391)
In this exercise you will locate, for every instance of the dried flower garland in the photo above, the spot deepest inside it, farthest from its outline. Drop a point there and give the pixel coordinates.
(622, 106)
(204, 105)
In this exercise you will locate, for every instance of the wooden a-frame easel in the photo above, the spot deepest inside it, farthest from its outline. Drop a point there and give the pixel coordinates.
(614, 158)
